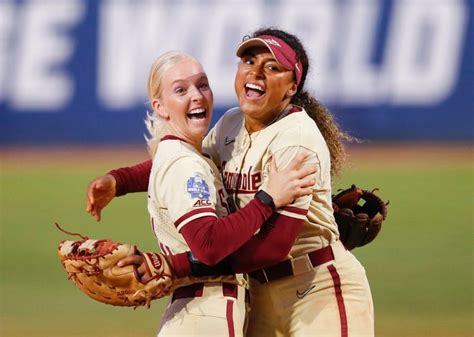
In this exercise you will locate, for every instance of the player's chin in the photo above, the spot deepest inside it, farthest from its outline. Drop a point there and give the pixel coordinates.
(199, 127)
(251, 107)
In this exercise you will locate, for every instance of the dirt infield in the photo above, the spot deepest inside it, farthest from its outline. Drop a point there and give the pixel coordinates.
(364, 155)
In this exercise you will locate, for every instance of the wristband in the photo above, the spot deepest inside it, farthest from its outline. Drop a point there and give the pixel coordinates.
(265, 198)
(199, 269)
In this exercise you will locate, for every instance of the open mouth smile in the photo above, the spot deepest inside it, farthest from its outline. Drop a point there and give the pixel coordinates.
(254, 91)
(199, 113)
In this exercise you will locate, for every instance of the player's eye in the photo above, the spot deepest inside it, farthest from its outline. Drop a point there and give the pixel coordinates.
(204, 86)
(247, 60)
(180, 90)
(273, 67)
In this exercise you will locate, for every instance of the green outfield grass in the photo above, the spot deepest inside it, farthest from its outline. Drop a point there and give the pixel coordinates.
(420, 268)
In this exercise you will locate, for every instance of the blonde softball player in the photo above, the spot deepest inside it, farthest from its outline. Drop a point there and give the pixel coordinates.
(319, 289)
(187, 200)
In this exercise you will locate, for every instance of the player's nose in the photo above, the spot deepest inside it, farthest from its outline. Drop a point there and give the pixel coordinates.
(196, 94)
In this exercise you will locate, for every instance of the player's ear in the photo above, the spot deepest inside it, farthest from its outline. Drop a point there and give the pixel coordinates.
(291, 91)
(159, 109)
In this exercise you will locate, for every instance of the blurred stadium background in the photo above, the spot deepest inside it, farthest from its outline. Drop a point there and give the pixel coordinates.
(397, 74)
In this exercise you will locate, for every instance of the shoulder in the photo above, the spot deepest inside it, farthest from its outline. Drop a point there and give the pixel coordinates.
(228, 126)
(230, 118)
(170, 176)
(233, 113)
(298, 129)
(177, 156)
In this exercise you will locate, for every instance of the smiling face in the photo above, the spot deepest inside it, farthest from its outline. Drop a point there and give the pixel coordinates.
(263, 86)
(185, 101)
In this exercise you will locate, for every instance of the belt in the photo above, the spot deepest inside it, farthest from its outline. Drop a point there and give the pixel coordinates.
(197, 289)
(285, 268)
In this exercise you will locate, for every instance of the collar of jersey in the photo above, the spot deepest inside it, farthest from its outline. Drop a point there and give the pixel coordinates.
(295, 108)
(171, 137)
(287, 111)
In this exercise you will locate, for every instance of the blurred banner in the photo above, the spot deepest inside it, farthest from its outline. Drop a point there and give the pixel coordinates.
(74, 71)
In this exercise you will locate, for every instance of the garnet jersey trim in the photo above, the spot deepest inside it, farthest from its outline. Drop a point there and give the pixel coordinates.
(194, 214)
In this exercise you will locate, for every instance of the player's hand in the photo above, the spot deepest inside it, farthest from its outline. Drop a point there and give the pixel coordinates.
(139, 262)
(144, 271)
(292, 182)
(100, 192)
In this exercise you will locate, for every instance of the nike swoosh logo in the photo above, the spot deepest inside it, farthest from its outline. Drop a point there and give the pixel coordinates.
(304, 293)
(228, 141)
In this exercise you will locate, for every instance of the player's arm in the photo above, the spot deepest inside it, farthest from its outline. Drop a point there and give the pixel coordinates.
(103, 189)
(211, 239)
(132, 179)
(277, 236)
(136, 178)
(121, 181)
(271, 245)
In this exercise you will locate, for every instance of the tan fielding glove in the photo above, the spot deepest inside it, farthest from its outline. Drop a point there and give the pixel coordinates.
(91, 265)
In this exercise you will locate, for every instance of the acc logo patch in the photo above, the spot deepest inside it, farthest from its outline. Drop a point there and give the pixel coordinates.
(197, 187)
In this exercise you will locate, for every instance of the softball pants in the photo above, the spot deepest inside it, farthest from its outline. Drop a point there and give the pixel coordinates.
(331, 299)
(205, 309)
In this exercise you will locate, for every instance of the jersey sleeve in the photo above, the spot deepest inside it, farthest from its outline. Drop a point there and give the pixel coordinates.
(212, 239)
(271, 245)
(298, 208)
(132, 179)
(186, 189)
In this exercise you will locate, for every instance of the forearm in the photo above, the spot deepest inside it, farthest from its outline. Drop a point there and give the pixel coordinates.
(271, 245)
(133, 178)
(211, 239)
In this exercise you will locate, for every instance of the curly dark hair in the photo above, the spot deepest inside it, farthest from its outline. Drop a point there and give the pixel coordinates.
(324, 119)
